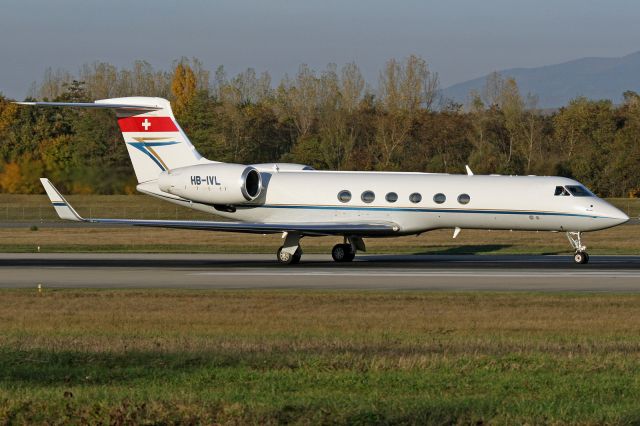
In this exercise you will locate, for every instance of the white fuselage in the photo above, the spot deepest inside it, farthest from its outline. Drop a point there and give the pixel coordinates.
(495, 202)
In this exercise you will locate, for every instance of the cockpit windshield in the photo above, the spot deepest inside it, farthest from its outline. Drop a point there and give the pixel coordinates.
(560, 190)
(579, 191)
(575, 190)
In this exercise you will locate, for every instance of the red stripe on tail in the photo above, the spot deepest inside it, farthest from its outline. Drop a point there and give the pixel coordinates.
(147, 124)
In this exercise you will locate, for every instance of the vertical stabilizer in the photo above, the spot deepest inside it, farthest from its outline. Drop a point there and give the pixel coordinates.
(154, 139)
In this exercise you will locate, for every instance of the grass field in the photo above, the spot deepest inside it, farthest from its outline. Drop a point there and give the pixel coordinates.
(318, 357)
(28, 209)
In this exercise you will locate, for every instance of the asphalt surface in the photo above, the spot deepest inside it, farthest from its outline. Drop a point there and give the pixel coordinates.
(367, 272)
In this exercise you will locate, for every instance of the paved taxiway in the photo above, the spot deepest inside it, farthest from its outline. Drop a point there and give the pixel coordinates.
(370, 272)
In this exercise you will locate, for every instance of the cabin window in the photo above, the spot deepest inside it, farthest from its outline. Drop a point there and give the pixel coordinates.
(391, 197)
(368, 196)
(464, 198)
(415, 198)
(560, 190)
(579, 191)
(344, 196)
(439, 198)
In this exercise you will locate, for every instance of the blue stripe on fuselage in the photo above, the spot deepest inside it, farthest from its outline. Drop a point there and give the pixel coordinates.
(419, 210)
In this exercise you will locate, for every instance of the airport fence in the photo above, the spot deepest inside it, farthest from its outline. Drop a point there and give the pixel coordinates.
(36, 208)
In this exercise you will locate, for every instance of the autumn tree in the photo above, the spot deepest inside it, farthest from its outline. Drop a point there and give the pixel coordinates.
(330, 119)
(585, 130)
(183, 86)
(403, 88)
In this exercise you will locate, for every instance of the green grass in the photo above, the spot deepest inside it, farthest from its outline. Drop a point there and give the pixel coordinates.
(266, 357)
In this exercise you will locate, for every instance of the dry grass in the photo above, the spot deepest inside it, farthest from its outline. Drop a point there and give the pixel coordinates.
(99, 321)
(318, 357)
(619, 240)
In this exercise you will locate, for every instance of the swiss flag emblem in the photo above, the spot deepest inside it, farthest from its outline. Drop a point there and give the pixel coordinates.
(147, 124)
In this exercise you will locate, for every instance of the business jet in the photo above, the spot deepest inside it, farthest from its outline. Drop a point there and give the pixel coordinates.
(298, 201)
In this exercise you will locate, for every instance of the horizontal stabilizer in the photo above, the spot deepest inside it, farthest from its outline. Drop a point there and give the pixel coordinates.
(65, 211)
(154, 140)
(125, 107)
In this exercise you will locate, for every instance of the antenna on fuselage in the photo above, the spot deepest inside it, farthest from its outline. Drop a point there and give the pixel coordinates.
(456, 231)
(469, 172)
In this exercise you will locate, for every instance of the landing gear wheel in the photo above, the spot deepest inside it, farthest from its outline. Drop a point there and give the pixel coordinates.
(296, 257)
(285, 258)
(342, 253)
(351, 254)
(581, 257)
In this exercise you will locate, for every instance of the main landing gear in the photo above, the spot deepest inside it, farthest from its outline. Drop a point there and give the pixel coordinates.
(346, 251)
(291, 252)
(343, 253)
(581, 256)
(287, 258)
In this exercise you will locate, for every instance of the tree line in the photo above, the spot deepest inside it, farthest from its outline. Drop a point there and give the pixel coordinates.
(331, 119)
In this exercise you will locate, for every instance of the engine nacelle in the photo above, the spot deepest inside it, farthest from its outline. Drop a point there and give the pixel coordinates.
(218, 183)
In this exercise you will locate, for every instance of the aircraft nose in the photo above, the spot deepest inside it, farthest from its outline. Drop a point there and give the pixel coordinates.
(622, 217)
(617, 215)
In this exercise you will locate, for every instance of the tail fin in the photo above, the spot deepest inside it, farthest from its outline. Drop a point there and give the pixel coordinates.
(154, 139)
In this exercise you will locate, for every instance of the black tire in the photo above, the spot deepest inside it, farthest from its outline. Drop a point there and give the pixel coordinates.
(581, 257)
(342, 253)
(284, 258)
(296, 257)
(351, 254)
(339, 252)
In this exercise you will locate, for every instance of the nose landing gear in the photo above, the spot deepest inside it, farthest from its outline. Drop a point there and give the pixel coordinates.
(581, 256)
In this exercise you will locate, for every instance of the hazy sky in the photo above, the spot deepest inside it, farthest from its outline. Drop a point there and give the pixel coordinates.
(460, 39)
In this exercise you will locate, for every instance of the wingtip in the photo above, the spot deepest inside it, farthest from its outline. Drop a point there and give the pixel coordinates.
(63, 208)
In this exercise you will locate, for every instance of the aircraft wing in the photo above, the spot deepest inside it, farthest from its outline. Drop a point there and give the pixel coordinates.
(65, 211)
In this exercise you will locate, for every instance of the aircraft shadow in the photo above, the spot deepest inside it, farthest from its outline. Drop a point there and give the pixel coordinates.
(468, 249)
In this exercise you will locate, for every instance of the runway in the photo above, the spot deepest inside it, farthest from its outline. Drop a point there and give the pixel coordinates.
(318, 272)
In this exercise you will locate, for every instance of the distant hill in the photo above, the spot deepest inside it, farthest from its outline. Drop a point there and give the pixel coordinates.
(555, 85)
